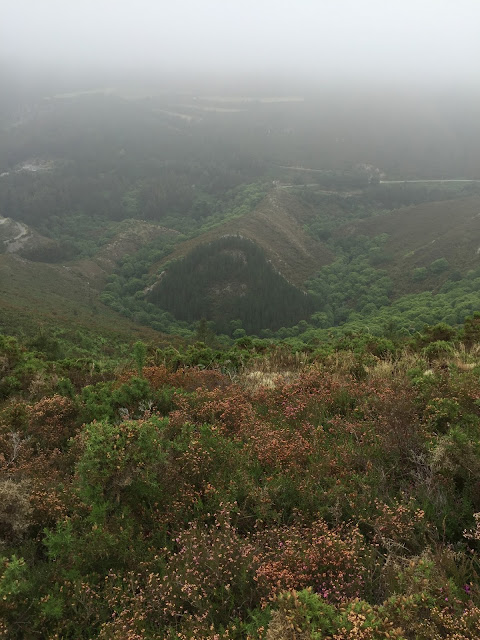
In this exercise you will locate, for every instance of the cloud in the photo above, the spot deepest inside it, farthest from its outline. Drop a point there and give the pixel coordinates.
(424, 39)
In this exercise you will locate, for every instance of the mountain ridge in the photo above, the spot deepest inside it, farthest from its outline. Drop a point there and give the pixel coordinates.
(275, 225)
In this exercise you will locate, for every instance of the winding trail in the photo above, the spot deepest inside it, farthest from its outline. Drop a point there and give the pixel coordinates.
(429, 180)
(310, 170)
(17, 242)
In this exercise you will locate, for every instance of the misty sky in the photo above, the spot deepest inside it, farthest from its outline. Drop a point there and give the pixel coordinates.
(428, 40)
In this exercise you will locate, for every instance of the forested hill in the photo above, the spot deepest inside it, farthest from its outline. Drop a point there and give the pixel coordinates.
(230, 282)
(277, 225)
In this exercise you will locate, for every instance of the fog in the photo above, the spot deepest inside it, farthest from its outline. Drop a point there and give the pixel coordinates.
(421, 42)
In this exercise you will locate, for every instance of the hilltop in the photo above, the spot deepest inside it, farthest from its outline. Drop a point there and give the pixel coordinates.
(17, 237)
(247, 273)
(276, 226)
(230, 282)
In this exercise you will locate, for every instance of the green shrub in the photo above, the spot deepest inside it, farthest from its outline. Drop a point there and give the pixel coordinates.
(439, 266)
(419, 274)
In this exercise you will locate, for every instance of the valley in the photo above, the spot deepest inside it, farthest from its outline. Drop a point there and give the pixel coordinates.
(124, 233)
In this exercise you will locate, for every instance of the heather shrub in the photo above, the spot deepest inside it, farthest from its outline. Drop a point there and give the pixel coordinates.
(209, 579)
(442, 413)
(400, 527)
(301, 615)
(471, 330)
(427, 603)
(190, 379)
(333, 496)
(456, 455)
(437, 349)
(396, 420)
(305, 616)
(52, 421)
(439, 332)
(330, 561)
(103, 401)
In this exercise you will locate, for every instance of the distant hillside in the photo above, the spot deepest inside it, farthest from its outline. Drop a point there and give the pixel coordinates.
(17, 237)
(37, 294)
(276, 226)
(135, 234)
(96, 188)
(418, 236)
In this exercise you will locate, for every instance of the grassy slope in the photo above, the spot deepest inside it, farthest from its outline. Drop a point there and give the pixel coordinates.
(276, 226)
(419, 235)
(136, 234)
(36, 294)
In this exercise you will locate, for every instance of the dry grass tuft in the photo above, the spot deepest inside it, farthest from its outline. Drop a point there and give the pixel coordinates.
(272, 370)
(15, 510)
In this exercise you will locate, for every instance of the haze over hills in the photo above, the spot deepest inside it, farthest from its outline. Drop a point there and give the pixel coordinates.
(90, 178)
(324, 129)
